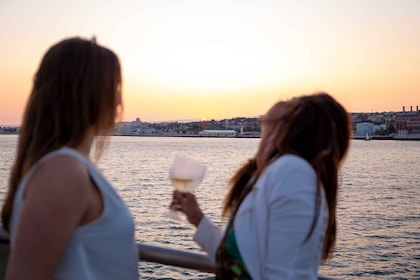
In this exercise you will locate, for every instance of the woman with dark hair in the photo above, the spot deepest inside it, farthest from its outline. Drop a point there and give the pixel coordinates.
(64, 218)
(282, 203)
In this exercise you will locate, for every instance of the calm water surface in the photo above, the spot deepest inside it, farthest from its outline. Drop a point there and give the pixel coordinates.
(378, 212)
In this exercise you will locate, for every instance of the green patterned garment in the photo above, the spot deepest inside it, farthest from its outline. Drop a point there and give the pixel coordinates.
(229, 263)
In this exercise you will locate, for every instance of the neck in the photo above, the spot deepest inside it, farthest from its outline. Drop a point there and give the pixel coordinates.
(84, 147)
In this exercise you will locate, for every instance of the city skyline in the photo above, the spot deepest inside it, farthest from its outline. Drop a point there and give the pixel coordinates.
(193, 60)
(409, 108)
(404, 109)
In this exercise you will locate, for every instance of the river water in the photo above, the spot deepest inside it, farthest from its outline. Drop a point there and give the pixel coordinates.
(378, 211)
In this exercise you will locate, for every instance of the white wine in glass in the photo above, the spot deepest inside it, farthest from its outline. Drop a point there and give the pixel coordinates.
(185, 175)
(183, 185)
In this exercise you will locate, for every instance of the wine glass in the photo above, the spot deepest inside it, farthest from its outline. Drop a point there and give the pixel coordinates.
(185, 175)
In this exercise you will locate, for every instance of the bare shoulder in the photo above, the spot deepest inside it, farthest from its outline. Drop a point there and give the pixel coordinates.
(56, 200)
(60, 175)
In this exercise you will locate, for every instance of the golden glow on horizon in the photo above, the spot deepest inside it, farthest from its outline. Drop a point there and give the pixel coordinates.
(217, 59)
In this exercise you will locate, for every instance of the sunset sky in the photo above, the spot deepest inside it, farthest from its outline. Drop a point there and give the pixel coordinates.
(215, 59)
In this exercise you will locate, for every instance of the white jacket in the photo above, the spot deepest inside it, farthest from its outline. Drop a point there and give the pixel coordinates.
(273, 222)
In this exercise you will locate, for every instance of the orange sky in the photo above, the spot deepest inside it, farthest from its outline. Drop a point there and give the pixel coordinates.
(187, 60)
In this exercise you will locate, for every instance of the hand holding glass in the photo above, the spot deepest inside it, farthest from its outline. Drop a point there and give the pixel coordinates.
(185, 175)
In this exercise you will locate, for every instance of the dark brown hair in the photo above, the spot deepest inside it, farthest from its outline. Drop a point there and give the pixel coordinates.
(315, 127)
(76, 88)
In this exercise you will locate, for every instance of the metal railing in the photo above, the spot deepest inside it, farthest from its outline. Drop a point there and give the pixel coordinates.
(147, 253)
(174, 257)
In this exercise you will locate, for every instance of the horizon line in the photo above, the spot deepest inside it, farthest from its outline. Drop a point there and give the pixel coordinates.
(220, 119)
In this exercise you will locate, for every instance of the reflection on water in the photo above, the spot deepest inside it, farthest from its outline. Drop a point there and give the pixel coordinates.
(378, 215)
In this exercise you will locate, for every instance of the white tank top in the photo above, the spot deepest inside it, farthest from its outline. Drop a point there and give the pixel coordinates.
(102, 249)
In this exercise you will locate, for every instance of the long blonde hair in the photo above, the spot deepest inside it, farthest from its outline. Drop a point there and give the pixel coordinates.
(76, 88)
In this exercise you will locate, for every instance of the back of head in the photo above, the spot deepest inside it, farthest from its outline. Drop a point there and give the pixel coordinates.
(325, 129)
(317, 128)
(311, 126)
(76, 90)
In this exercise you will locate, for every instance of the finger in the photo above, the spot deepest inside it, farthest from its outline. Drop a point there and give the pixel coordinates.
(177, 207)
(177, 195)
(176, 200)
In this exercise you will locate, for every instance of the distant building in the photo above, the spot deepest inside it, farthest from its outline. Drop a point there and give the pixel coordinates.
(249, 134)
(407, 123)
(147, 131)
(9, 129)
(377, 118)
(218, 133)
(364, 128)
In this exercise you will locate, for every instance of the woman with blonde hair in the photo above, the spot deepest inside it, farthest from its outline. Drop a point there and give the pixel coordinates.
(282, 203)
(64, 218)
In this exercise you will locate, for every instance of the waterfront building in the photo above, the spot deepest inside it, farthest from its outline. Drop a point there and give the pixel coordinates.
(218, 133)
(407, 123)
(364, 128)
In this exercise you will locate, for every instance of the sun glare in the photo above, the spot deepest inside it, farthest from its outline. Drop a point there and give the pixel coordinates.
(209, 67)
(213, 67)
(212, 50)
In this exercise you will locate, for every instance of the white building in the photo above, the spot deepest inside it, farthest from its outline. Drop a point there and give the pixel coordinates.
(364, 128)
(217, 133)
